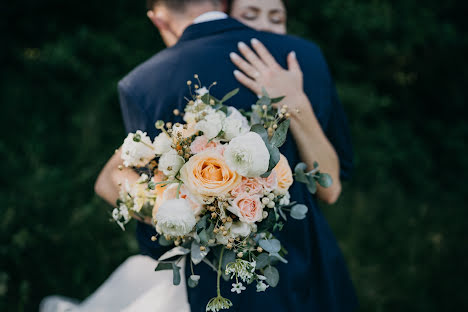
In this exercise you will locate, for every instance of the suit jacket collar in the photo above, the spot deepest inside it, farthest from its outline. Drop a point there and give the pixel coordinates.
(196, 31)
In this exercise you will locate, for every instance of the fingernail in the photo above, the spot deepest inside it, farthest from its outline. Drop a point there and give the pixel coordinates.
(241, 45)
(233, 55)
(293, 53)
(236, 72)
(255, 41)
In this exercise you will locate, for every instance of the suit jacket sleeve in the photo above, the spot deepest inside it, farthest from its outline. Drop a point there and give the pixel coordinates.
(338, 133)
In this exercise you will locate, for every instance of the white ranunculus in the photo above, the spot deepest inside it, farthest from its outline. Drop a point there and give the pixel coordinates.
(248, 155)
(212, 124)
(175, 218)
(170, 163)
(235, 114)
(240, 229)
(137, 153)
(202, 91)
(162, 143)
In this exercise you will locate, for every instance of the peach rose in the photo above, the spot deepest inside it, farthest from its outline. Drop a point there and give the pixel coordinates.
(270, 183)
(201, 144)
(284, 175)
(170, 192)
(207, 174)
(247, 207)
(159, 190)
(248, 185)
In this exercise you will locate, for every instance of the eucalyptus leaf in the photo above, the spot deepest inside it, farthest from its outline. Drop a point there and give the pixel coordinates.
(229, 95)
(201, 224)
(312, 187)
(161, 266)
(264, 101)
(175, 274)
(270, 245)
(282, 214)
(299, 211)
(277, 256)
(228, 257)
(260, 129)
(262, 261)
(174, 252)
(196, 254)
(279, 137)
(272, 276)
(164, 242)
(203, 237)
(300, 175)
(193, 280)
(277, 100)
(275, 156)
(206, 98)
(325, 180)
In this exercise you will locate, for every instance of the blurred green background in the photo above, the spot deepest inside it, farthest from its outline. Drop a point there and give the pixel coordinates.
(401, 71)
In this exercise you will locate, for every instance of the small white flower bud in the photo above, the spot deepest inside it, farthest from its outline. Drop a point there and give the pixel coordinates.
(271, 204)
(271, 196)
(265, 200)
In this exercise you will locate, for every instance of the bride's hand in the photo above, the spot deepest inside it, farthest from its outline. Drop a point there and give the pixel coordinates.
(260, 70)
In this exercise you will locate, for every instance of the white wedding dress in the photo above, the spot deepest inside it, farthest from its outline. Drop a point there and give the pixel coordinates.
(133, 287)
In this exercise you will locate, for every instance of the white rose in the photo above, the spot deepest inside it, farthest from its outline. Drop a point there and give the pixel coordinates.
(212, 124)
(162, 143)
(248, 155)
(175, 218)
(137, 153)
(240, 229)
(170, 163)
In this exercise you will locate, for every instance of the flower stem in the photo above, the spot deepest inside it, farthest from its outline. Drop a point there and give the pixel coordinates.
(219, 272)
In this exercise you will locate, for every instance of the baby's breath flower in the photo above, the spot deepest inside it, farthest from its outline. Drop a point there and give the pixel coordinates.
(218, 303)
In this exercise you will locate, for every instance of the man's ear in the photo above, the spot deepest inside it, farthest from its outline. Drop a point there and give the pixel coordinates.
(157, 20)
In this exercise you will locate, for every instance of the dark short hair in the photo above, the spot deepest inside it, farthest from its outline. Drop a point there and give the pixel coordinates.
(176, 5)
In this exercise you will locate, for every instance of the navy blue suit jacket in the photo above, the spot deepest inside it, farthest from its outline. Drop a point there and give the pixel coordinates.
(316, 278)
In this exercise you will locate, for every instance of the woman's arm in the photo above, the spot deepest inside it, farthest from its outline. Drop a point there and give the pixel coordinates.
(112, 176)
(262, 71)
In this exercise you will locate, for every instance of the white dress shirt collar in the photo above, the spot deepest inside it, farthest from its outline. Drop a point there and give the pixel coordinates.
(210, 16)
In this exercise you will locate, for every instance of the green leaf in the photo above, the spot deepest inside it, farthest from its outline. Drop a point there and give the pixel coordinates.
(279, 137)
(300, 174)
(272, 276)
(262, 261)
(202, 222)
(270, 245)
(206, 98)
(174, 252)
(228, 257)
(325, 180)
(311, 185)
(264, 101)
(175, 274)
(161, 266)
(229, 95)
(196, 254)
(260, 130)
(275, 156)
(193, 280)
(299, 211)
(203, 237)
(164, 242)
(277, 256)
(277, 100)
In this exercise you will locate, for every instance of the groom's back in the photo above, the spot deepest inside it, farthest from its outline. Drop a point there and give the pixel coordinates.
(158, 86)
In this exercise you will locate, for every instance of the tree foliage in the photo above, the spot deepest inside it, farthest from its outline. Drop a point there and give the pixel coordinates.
(401, 74)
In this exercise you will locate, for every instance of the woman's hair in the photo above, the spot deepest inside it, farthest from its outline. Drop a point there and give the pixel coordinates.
(230, 2)
(176, 5)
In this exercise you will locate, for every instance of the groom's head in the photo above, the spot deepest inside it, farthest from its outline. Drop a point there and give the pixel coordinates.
(171, 17)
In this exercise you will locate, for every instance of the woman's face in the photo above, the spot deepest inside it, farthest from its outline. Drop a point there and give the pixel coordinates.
(264, 15)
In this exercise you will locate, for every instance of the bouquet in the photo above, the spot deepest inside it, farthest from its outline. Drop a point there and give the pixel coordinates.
(216, 189)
